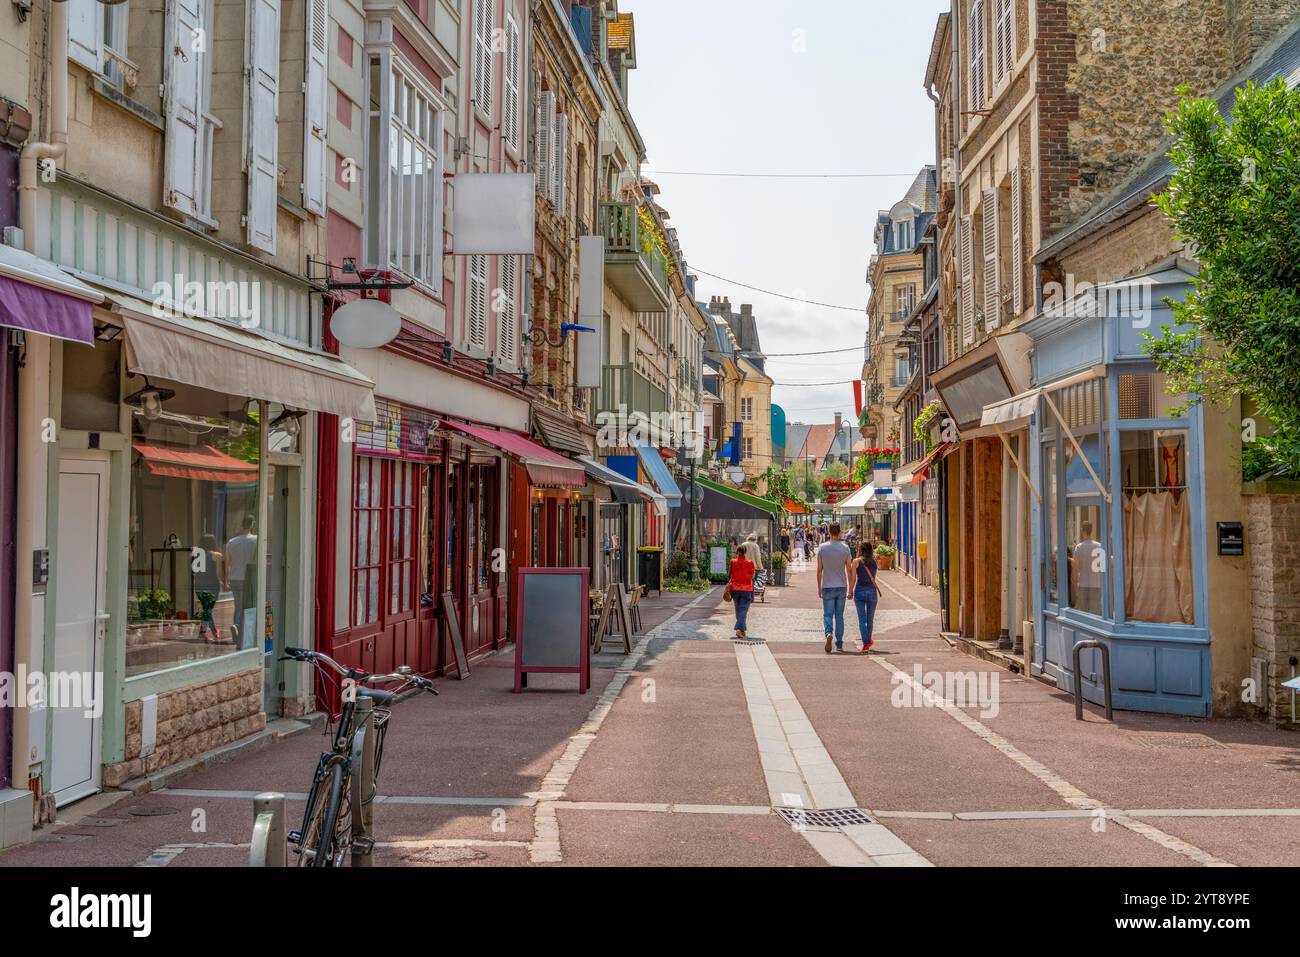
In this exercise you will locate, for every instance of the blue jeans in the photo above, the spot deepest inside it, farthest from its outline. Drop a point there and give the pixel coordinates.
(864, 599)
(743, 600)
(833, 613)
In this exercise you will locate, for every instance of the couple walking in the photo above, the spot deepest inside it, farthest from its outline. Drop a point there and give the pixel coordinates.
(840, 575)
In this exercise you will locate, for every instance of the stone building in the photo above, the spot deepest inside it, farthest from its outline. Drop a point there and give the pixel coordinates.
(747, 397)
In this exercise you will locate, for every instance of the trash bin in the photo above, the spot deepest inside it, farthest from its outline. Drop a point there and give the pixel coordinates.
(650, 568)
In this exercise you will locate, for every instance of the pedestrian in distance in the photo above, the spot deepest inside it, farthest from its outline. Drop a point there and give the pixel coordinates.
(834, 573)
(740, 586)
(865, 593)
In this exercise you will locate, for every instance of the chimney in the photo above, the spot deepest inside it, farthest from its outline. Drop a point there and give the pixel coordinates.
(747, 309)
(726, 304)
(839, 423)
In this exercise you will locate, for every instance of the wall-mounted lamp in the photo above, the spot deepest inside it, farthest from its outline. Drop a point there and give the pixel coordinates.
(448, 351)
(289, 421)
(149, 399)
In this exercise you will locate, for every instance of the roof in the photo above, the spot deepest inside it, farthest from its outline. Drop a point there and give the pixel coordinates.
(1281, 57)
(818, 441)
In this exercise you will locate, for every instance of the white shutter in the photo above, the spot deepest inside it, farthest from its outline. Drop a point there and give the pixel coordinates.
(263, 92)
(545, 145)
(1017, 242)
(560, 162)
(510, 121)
(314, 154)
(482, 64)
(507, 328)
(967, 284)
(992, 240)
(976, 40)
(478, 302)
(85, 30)
(183, 90)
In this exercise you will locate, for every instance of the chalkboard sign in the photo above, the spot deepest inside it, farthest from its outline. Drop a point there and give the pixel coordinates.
(453, 633)
(551, 624)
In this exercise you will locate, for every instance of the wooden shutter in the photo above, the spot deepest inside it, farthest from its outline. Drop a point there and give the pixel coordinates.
(85, 30)
(510, 121)
(507, 327)
(263, 93)
(976, 40)
(478, 302)
(483, 55)
(967, 283)
(545, 145)
(1017, 242)
(991, 242)
(316, 89)
(1002, 38)
(183, 84)
(560, 162)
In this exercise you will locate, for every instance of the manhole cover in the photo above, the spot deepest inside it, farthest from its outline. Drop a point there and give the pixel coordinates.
(824, 818)
(1176, 741)
(152, 810)
(440, 855)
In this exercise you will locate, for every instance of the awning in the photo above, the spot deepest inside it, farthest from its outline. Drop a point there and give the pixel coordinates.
(795, 507)
(545, 468)
(919, 472)
(215, 355)
(623, 489)
(1013, 411)
(859, 501)
(558, 433)
(38, 296)
(202, 463)
(660, 474)
(719, 501)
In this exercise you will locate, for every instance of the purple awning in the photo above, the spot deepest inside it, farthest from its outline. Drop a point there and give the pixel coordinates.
(51, 313)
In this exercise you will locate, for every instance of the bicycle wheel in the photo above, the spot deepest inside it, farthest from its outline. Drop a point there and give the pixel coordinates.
(319, 844)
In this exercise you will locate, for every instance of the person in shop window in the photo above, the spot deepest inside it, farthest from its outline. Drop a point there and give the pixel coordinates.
(241, 556)
(1086, 563)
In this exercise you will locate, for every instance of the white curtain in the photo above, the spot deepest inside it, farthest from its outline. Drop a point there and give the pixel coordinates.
(1158, 557)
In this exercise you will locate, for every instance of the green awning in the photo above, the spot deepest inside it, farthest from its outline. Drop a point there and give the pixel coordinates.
(751, 500)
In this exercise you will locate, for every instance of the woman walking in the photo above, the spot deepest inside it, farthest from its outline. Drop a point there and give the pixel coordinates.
(741, 586)
(865, 594)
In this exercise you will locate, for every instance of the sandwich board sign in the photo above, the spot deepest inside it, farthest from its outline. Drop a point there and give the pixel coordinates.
(552, 624)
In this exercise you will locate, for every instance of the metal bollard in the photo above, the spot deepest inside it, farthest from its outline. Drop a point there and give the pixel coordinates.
(1105, 677)
(363, 778)
(268, 848)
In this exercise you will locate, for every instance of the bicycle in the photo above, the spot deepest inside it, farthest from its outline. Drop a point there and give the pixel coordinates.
(331, 830)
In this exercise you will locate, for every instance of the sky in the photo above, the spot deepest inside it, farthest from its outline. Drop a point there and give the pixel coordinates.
(785, 86)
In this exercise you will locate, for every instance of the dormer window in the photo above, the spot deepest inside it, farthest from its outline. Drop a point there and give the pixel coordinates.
(904, 234)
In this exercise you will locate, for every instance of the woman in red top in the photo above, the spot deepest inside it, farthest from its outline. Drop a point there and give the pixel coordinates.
(742, 587)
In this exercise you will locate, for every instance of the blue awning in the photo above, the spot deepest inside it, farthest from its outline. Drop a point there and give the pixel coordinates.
(661, 477)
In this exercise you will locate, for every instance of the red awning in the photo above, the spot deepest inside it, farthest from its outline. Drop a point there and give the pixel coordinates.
(202, 463)
(920, 473)
(544, 467)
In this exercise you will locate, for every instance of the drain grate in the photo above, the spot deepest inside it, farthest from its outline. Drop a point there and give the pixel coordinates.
(829, 819)
(1174, 740)
(748, 641)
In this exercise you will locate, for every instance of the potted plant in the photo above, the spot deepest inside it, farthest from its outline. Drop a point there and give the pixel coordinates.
(779, 563)
(884, 556)
(154, 604)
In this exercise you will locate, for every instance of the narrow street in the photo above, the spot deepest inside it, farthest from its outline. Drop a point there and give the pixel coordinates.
(682, 753)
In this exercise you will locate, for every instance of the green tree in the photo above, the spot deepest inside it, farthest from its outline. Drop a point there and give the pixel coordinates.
(1235, 198)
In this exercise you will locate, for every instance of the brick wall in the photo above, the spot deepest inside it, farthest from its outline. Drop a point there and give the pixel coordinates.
(191, 721)
(1273, 548)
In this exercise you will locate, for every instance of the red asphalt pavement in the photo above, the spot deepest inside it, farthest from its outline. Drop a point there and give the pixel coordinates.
(672, 773)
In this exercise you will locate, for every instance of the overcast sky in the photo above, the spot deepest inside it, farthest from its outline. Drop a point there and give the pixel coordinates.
(785, 86)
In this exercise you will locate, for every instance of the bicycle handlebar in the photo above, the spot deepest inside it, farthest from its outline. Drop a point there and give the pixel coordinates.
(361, 677)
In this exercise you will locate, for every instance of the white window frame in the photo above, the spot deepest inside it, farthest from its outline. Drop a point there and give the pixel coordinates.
(747, 409)
(377, 232)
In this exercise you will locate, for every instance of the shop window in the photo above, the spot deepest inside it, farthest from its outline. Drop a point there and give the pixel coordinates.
(367, 533)
(383, 544)
(1156, 508)
(1142, 396)
(193, 575)
(1052, 535)
(1086, 557)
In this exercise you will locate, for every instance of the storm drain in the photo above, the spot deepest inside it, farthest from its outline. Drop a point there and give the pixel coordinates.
(748, 641)
(830, 819)
(1176, 741)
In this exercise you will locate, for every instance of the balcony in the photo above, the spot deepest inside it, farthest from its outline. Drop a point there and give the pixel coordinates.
(623, 385)
(634, 266)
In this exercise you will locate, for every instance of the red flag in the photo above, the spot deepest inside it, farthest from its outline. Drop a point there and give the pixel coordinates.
(857, 396)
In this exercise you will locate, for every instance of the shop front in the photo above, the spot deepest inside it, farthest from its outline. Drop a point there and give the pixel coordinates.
(730, 516)
(617, 498)
(1121, 548)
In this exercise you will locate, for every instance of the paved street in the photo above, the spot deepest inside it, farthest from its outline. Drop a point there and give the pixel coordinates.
(682, 752)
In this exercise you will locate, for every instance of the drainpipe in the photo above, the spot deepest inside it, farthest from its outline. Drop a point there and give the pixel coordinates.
(33, 380)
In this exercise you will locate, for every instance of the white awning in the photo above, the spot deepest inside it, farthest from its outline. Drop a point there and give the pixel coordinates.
(1015, 410)
(215, 355)
(861, 500)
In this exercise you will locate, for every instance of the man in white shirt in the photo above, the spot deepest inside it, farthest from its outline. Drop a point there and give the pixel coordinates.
(241, 554)
(1087, 562)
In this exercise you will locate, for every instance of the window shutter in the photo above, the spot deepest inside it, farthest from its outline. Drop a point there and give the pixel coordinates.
(507, 329)
(483, 55)
(1017, 242)
(317, 89)
(545, 145)
(511, 119)
(264, 78)
(992, 288)
(559, 162)
(85, 28)
(182, 106)
(976, 36)
(967, 284)
(478, 302)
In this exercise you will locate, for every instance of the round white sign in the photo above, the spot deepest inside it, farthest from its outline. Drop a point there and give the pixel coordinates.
(365, 324)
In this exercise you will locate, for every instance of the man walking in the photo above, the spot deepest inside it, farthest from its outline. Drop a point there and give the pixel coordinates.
(834, 572)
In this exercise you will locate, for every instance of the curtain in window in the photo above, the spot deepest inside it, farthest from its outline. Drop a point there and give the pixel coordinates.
(1158, 557)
